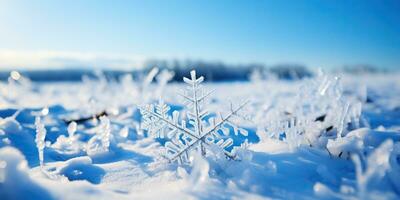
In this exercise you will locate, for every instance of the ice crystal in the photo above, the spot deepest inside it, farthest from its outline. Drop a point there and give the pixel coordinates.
(10, 124)
(376, 165)
(100, 143)
(320, 110)
(203, 131)
(71, 129)
(40, 138)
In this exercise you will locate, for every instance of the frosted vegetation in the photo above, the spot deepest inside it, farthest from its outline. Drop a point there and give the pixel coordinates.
(40, 138)
(326, 137)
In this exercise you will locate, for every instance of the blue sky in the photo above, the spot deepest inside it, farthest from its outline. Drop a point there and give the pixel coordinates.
(324, 34)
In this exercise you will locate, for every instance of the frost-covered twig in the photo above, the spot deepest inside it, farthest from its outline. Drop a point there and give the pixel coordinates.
(101, 141)
(376, 164)
(85, 119)
(71, 130)
(4, 122)
(320, 111)
(40, 138)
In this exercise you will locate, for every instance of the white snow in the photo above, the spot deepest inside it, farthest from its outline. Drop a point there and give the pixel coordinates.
(352, 151)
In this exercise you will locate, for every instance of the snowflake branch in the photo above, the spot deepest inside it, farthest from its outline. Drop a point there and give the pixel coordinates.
(186, 97)
(215, 127)
(197, 138)
(158, 116)
(206, 95)
(234, 112)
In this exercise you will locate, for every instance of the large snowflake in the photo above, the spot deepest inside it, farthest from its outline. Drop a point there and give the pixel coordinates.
(204, 132)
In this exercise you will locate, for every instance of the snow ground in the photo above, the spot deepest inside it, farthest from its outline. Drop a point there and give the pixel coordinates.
(132, 166)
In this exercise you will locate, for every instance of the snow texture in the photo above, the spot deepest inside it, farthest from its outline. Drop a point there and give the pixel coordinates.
(333, 136)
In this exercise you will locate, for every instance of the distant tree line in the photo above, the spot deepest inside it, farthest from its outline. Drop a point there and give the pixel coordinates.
(213, 71)
(219, 71)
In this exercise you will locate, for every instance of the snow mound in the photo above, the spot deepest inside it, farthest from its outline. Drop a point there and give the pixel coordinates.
(81, 168)
(15, 182)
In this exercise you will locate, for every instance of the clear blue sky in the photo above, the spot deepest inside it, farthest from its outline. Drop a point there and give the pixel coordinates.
(314, 33)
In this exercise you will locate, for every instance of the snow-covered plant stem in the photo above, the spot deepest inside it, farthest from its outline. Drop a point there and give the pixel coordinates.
(105, 132)
(71, 129)
(100, 143)
(40, 138)
(377, 163)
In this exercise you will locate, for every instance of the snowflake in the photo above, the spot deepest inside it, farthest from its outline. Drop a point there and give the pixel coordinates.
(204, 133)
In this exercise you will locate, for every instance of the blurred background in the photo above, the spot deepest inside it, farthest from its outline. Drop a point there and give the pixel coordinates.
(50, 40)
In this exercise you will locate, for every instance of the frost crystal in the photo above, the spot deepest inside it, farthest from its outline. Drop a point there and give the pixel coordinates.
(202, 133)
(10, 124)
(40, 136)
(376, 165)
(101, 141)
(105, 131)
(321, 111)
(71, 129)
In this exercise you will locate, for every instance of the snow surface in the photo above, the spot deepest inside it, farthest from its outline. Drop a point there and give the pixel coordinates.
(113, 158)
